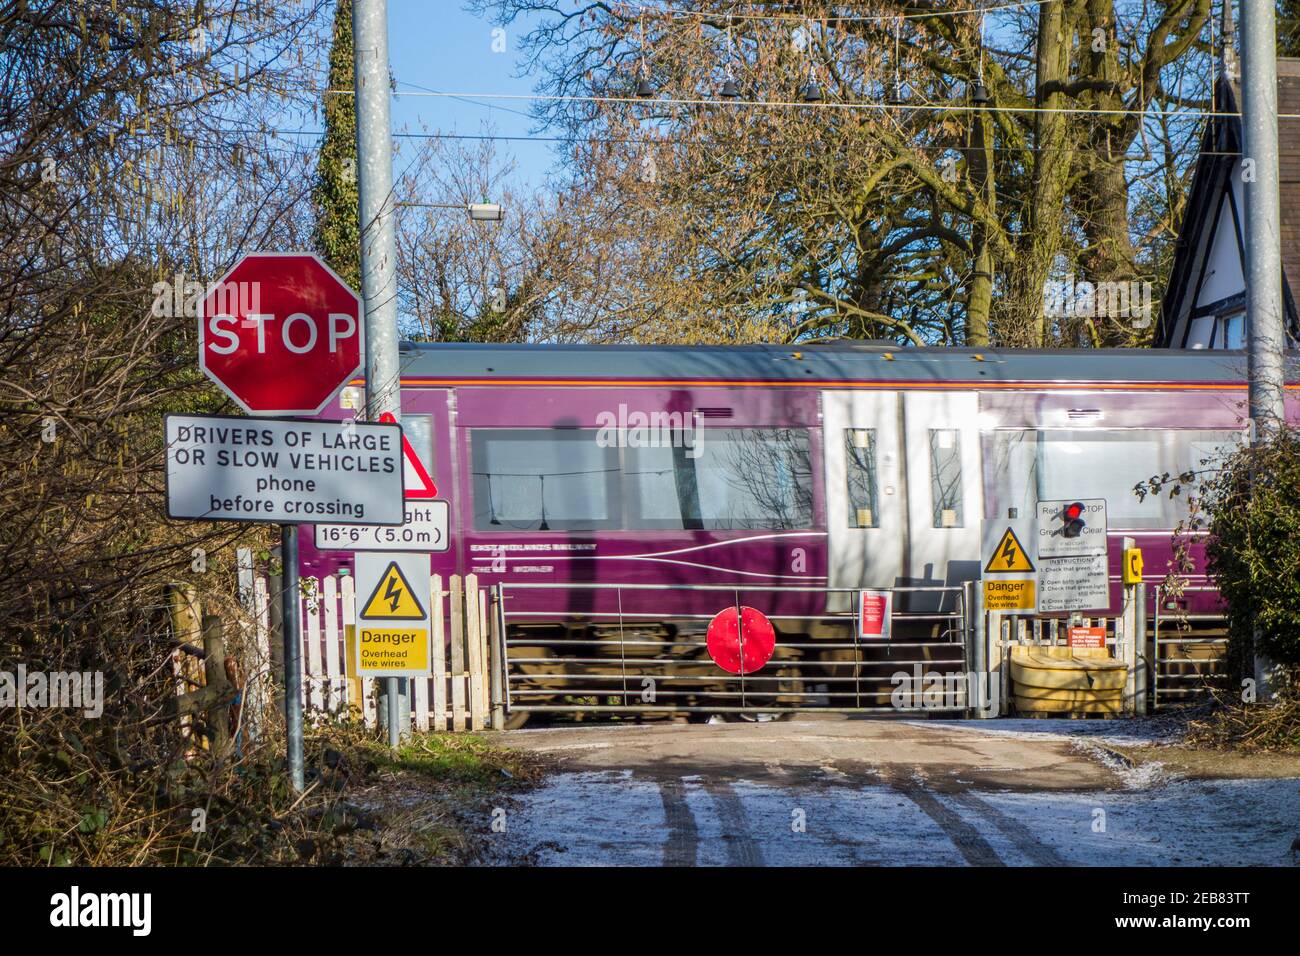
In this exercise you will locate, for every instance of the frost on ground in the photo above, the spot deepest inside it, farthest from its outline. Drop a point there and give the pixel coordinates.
(621, 818)
(1134, 777)
(1119, 733)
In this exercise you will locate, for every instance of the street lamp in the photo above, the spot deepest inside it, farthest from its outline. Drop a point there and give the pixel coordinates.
(478, 211)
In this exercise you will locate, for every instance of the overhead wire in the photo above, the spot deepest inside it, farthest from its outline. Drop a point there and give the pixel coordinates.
(823, 104)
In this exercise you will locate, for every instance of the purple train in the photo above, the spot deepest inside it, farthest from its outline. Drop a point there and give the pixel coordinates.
(780, 477)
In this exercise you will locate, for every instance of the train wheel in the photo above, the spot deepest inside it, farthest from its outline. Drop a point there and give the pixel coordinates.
(788, 687)
(759, 718)
(516, 719)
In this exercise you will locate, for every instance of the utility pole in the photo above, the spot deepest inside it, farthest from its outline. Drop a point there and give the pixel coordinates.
(1265, 335)
(1265, 331)
(378, 253)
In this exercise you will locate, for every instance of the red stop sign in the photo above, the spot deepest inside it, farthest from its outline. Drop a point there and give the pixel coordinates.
(281, 333)
(740, 643)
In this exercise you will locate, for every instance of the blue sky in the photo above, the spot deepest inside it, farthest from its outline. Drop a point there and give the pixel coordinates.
(437, 45)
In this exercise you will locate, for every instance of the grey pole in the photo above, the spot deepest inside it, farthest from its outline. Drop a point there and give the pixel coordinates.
(1265, 337)
(378, 242)
(291, 625)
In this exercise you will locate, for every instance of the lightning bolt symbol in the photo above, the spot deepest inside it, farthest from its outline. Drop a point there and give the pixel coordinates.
(1009, 552)
(392, 593)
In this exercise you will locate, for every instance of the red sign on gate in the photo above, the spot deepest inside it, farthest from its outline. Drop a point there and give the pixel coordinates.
(741, 643)
(873, 615)
(281, 333)
(1079, 636)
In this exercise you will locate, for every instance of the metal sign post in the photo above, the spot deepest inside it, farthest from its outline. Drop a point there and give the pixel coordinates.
(288, 471)
(292, 625)
(281, 334)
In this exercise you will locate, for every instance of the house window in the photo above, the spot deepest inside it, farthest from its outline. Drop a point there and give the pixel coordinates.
(1230, 331)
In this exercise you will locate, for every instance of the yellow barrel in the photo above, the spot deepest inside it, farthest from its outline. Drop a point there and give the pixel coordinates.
(1067, 668)
(1064, 680)
(1067, 694)
(1029, 705)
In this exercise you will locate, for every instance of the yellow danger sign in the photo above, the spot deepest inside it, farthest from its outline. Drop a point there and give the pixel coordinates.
(1008, 556)
(388, 650)
(1010, 595)
(393, 598)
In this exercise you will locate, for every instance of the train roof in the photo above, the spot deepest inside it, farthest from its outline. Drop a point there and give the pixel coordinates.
(851, 361)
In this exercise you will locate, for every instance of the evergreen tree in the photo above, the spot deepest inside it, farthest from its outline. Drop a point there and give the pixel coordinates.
(337, 236)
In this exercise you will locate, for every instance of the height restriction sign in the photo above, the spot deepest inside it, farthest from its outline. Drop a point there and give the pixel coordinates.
(393, 602)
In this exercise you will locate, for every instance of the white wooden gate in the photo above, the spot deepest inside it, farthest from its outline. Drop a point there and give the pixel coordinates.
(455, 698)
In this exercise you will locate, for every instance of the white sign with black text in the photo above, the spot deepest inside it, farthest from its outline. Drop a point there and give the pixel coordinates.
(425, 529)
(1075, 583)
(284, 470)
(1071, 526)
(1072, 555)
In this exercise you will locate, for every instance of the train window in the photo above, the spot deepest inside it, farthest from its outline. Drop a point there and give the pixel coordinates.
(1026, 466)
(860, 475)
(418, 430)
(945, 477)
(544, 479)
(729, 478)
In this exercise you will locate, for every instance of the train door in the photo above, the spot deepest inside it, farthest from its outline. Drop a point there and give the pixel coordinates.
(866, 506)
(902, 489)
(940, 439)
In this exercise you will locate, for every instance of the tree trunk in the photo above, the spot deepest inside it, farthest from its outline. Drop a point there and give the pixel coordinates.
(1051, 177)
(980, 298)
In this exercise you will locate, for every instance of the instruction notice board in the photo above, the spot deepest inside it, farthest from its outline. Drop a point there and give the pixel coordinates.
(1073, 536)
(1076, 583)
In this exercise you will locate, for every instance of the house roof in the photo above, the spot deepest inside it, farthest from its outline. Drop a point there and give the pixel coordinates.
(1207, 211)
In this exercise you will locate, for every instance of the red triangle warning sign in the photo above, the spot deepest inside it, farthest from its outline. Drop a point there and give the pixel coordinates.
(415, 476)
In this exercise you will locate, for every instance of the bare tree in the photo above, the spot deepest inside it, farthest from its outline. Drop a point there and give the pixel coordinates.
(944, 166)
(136, 161)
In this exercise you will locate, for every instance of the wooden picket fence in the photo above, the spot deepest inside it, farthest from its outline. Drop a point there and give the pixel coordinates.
(456, 697)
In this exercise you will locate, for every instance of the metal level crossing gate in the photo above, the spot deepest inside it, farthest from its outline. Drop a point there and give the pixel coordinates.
(641, 649)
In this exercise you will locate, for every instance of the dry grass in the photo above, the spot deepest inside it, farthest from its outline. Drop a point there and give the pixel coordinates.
(363, 805)
(1272, 727)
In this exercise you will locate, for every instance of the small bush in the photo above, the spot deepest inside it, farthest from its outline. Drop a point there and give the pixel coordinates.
(1253, 551)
